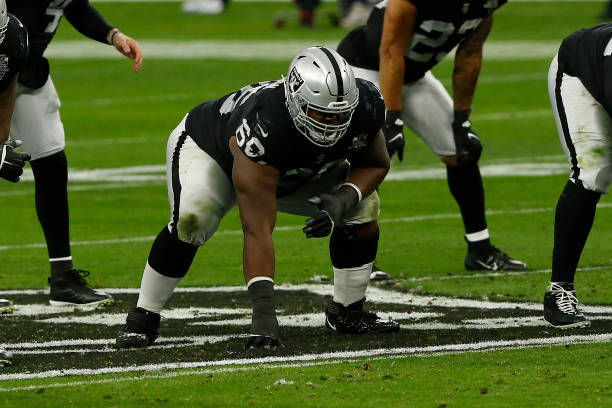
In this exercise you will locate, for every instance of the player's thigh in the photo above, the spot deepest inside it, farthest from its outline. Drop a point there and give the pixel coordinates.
(367, 74)
(585, 130)
(328, 182)
(36, 120)
(428, 112)
(199, 191)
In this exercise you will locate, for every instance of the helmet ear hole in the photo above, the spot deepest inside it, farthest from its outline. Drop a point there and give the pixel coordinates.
(321, 95)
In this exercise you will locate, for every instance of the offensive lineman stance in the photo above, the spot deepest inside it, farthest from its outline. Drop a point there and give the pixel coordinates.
(277, 145)
(580, 90)
(13, 52)
(37, 123)
(402, 41)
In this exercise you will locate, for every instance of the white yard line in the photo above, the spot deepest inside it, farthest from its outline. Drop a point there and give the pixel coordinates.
(280, 50)
(486, 345)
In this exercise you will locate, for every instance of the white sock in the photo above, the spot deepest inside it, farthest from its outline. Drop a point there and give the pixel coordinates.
(478, 236)
(350, 284)
(155, 289)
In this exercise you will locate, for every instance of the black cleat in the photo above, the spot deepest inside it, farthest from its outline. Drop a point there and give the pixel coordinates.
(6, 306)
(378, 275)
(492, 260)
(354, 319)
(561, 307)
(5, 357)
(140, 329)
(72, 290)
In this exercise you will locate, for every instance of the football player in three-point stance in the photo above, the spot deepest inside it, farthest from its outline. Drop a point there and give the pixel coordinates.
(280, 145)
(13, 54)
(402, 41)
(580, 90)
(36, 121)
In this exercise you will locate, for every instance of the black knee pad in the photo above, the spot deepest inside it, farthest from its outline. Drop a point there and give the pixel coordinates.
(348, 249)
(170, 256)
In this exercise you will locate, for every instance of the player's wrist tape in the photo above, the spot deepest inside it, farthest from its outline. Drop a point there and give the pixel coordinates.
(460, 116)
(393, 116)
(348, 195)
(359, 194)
(112, 39)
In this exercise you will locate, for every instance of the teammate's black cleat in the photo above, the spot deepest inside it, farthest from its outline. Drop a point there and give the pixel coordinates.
(378, 275)
(6, 306)
(492, 260)
(354, 319)
(561, 307)
(5, 357)
(71, 290)
(140, 329)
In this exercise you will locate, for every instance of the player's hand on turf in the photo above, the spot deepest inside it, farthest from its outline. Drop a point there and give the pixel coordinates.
(323, 223)
(262, 342)
(467, 141)
(11, 161)
(393, 129)
(128, 47)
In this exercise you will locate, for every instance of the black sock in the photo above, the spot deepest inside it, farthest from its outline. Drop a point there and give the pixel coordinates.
(170, 256)
(482, 246)
(465, 185)
(573, 221)
(59, 269)
(50, 182)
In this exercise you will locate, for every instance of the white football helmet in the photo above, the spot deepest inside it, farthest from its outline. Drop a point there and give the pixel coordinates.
(321, 95)
(4, 20)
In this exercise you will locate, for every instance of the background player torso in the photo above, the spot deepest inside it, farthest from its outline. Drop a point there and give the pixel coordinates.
(13, 51)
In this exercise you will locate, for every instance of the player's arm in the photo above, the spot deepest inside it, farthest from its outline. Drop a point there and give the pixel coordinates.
(368, 169)
(88, 21)
(398, 27)
(255, 186)
(7, 104)
(468, 61)
(11, 162)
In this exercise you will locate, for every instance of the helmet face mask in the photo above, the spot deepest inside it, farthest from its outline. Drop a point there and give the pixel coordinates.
(321, 95)
(4, 19)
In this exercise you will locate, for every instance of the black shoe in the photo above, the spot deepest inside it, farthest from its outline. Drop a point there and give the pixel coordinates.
(561, 307)
(140, 329)
(6, 306)
(5, 357)
(71, 290)
(378, 275)
(354, 319)
(492, 260)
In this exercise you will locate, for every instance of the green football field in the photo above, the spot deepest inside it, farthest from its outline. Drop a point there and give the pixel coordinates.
(467, 339)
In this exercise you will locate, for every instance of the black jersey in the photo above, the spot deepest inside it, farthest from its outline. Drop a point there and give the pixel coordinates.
(587, 55)
(41, 18)
(440, 25)
(264, 130)
(13, 51)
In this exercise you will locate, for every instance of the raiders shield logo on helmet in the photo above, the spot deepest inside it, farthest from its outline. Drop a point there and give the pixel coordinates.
(295, 80)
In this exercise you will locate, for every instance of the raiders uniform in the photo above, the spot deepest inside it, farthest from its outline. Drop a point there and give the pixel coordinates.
(200, 162)
(440, 25)
(36, 94)
(580, 89)
(13, 51)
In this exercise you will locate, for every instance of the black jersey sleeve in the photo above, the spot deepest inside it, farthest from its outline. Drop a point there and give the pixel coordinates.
(14, 51)
(87, 20)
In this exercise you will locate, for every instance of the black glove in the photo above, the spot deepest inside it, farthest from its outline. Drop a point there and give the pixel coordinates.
(332, 207)
(12, 162)
(466, 140)
(393, 129)
(264, 326)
